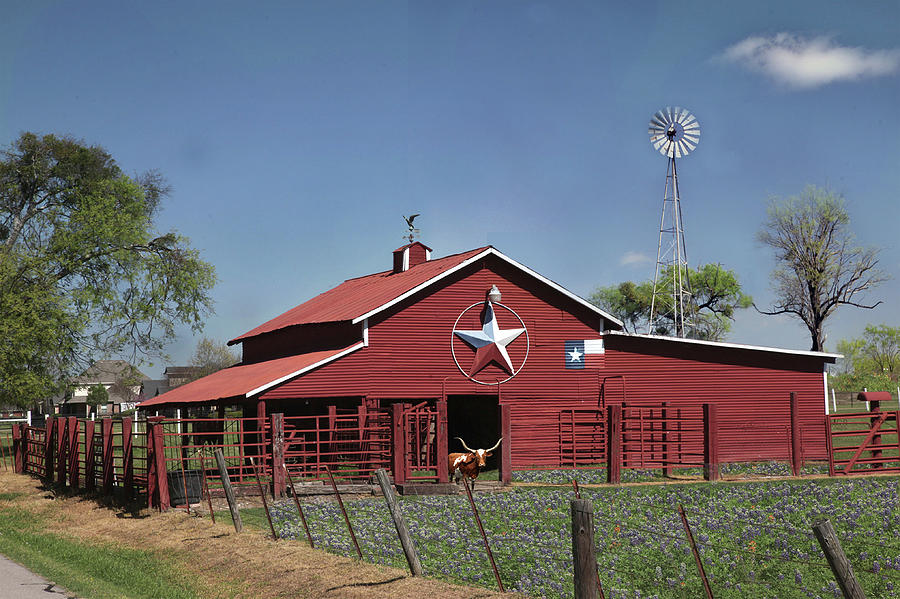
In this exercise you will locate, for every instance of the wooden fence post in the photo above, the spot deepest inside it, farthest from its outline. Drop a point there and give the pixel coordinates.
(614, 444)
(157, 481)
(505, 446)
(229, 492)
(19, 448)
(279, 486)
(711, 442)
(72, 427)
(90, 476)
(796, 447)
(398, 447)
(127, 457)
(584, 555)
(840, 565)
(49, 447)
(406, 541)
(106, 426)
(61, 446)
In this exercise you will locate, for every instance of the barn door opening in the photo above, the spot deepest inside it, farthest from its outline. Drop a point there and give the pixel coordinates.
(476, 419)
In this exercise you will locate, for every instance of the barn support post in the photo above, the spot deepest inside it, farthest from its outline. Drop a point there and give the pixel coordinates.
(157, 482)
(49, 446)
(442, 442)
(398, 445)
(89, 462)
(614, 444)
(279, 485)
(796, 447)
(127, 457)
(506, 445)
(710, 442)
(61, 450)
(72, 427)
(106, 432)
(18, 448)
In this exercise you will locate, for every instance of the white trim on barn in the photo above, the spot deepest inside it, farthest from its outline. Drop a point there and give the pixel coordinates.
(286, 377)
(481, 255)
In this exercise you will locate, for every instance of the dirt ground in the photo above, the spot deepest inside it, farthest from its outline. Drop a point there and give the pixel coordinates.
(213, 553)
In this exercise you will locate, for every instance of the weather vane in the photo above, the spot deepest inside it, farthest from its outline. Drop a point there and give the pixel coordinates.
(413, 231)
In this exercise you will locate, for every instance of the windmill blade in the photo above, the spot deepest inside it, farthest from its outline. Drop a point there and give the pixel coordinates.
(684, 128)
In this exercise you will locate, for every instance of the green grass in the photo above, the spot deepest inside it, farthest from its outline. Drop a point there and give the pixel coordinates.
(92, 571)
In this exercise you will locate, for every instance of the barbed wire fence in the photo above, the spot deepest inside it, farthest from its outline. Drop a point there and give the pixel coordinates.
(642, 553)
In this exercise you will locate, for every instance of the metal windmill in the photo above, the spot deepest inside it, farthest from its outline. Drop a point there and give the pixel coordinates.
(675, 132)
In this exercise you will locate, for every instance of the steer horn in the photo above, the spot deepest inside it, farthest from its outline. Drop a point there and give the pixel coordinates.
(469, 449)
(466, 447)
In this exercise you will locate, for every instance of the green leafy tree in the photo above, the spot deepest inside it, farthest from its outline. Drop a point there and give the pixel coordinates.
(83, 270)
(716, 294)
(97, 396)
(211, 356)
(819, 267)
(870, 362)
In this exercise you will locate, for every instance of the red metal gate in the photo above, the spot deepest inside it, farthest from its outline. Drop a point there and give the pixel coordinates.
(420, 443)
(352, 443)
(658, 436)
(863, 443)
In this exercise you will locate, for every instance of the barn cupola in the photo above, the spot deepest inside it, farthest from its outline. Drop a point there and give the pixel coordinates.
(410, 255)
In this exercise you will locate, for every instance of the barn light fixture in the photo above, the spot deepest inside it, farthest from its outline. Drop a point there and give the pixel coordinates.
(494, 294)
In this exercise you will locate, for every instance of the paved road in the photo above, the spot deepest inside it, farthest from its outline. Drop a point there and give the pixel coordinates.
(17, 582)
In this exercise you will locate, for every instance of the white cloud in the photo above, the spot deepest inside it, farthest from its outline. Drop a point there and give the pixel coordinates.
(629, 258)
(807, 63)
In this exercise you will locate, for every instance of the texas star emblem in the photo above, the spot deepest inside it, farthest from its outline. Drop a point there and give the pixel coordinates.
(490, 342)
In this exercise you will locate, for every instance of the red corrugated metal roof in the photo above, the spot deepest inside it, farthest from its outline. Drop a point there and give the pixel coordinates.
(355, 297)
(247, 380)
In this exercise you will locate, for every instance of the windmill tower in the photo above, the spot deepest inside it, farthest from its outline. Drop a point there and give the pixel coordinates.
(674, 132)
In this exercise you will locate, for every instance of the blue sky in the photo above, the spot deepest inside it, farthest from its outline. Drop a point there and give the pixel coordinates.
(296, 134)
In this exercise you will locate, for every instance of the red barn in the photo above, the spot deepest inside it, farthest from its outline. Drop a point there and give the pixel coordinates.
(506, 352)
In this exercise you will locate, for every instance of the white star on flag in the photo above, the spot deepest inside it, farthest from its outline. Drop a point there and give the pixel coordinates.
(490, 342)
(575, 355)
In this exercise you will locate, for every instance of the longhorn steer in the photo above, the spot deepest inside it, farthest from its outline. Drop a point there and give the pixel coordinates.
(469, 464)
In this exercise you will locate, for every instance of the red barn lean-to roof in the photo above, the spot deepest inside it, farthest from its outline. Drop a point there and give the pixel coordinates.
(357, 299)
(247, 380)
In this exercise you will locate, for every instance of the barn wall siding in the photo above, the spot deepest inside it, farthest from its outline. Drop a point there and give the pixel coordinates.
(753, 400)
(409, 357)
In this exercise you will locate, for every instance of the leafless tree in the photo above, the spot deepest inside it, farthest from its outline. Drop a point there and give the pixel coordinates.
(819, 266)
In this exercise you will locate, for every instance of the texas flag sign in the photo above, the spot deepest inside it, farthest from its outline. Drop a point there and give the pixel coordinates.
(584, 353)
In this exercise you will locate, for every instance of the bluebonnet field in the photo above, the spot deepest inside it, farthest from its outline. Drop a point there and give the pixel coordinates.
(755, 538)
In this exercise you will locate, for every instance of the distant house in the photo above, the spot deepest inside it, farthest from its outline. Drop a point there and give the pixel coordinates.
(122, 381)
(175, 376)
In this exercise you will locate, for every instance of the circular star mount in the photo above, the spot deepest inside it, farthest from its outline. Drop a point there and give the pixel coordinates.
(489, 343)
(674, 132)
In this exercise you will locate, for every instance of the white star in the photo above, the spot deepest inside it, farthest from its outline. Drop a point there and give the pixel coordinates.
(490, 342)
(575, 355)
